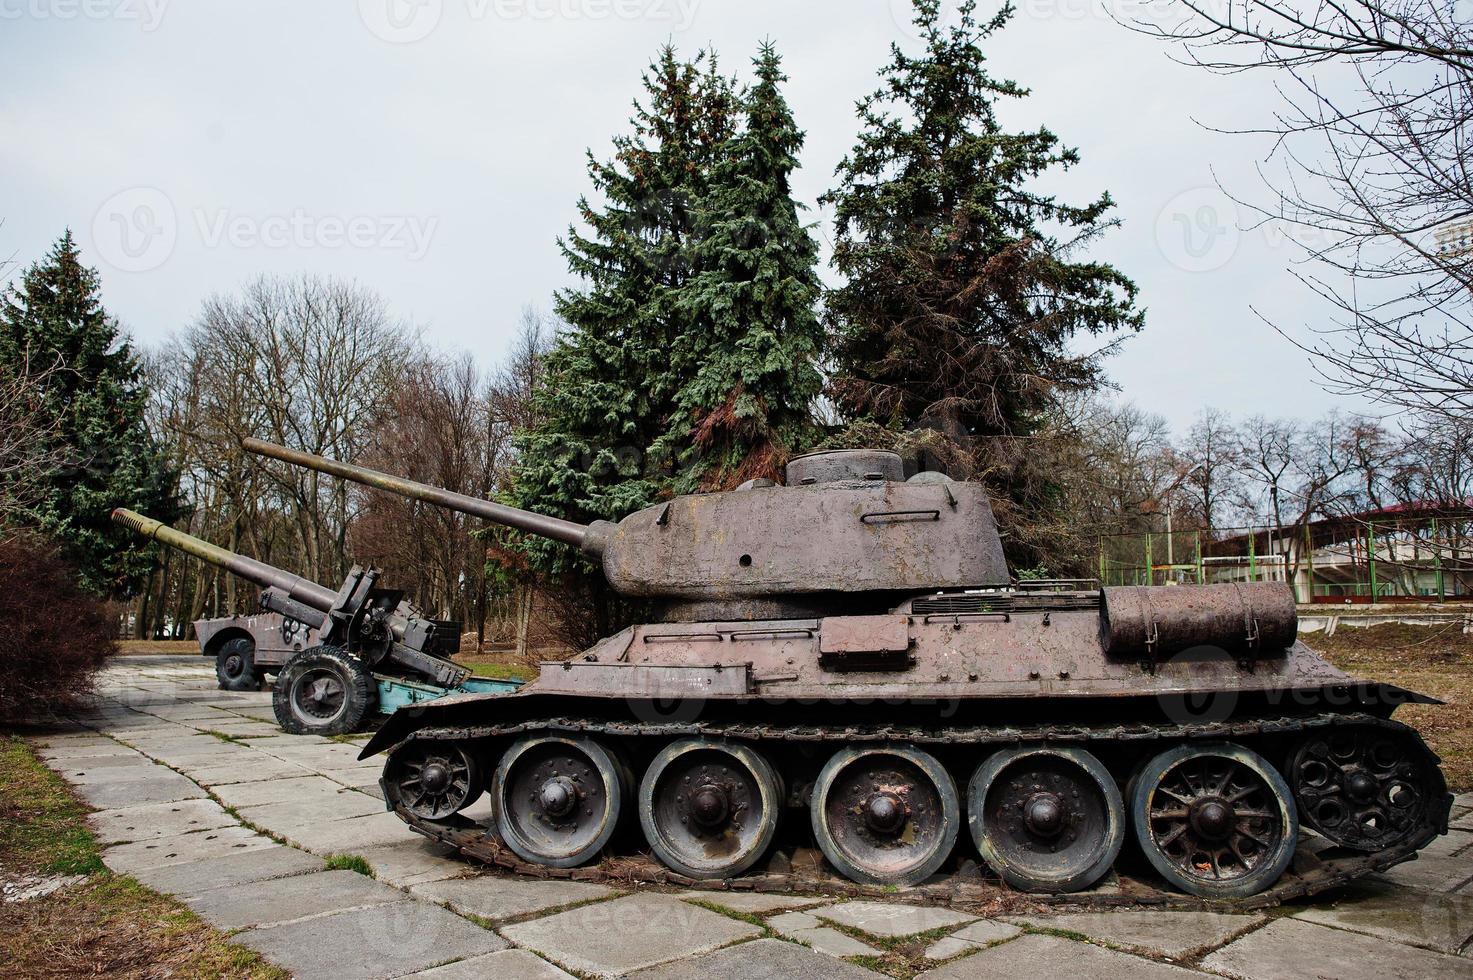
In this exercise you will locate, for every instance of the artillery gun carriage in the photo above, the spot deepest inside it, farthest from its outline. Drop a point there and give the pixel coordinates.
(847, 651)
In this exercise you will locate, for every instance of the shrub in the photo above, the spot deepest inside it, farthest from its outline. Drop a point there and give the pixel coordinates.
(54, 637)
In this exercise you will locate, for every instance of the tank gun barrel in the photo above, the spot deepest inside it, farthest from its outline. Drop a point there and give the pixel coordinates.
(307, 592)
(523, 520)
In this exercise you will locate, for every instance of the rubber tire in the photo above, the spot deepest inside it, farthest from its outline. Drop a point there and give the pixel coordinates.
(248, 679)
(360, 698)
(1149, 776)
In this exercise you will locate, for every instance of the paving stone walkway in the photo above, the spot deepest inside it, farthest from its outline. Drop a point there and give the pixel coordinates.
(200, 795)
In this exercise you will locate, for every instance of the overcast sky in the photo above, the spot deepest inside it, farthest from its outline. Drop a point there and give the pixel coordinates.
(434, 149)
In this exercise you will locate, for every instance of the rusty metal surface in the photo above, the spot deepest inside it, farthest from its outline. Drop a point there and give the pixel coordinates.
(833, 465)
(1318, 867)
(1155, 622)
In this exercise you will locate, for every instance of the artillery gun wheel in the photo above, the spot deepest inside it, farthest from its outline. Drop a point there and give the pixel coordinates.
(1215, 819)
(1365, 789)
(558, 800)
(885, 815)
(1046, 819)
(709, 809)
(432, 779)
(323, 691)
(235, 665)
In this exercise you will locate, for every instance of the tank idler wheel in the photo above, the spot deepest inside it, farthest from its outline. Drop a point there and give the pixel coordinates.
(1365, 789)
(709, 809)
(558, 799)
(235, 665)
(1215, 819)
(885, 815)
(323, 691)
(432, 780)
(1046, 819)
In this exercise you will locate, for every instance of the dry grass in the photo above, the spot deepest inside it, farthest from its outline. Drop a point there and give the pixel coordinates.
(1433, 660)
(174, 647)
(106, 925)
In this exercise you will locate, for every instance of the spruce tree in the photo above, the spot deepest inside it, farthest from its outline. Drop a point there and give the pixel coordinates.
(963, 290)
(608, 396)
(744, 401)
(96, 399)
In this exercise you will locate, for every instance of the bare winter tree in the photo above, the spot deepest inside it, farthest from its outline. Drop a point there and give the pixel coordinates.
(1370, 176)
(1209, 459)
(28, 455)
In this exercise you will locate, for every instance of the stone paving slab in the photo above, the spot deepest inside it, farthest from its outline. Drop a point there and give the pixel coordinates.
(753, 903)
(975, 936)
(1443, 865)
(158, 820)
(264, 791)
(1157, 932)
(128, 858)
(804, 928)
(229, 870)
(763, 959)
(1443, 922)
(497, 898)
(890, 921)
(1049, 958)
(412, 862)
(164, 787)
(1293, 948)
(627, 934)
(312, 810)
(369, 944)
(264, 903)
(261, 768)
(336, 836)
(509, 964)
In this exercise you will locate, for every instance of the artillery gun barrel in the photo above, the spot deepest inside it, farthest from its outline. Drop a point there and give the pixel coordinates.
(523, 520)
(267, 576)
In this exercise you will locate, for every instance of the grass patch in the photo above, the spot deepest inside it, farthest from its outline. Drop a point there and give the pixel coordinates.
(43, 828)
(498, 670)
(222, 736)
(349, 862)
(107, 925)
(1435, 660)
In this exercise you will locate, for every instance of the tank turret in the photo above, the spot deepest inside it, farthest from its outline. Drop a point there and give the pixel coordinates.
(846, 525)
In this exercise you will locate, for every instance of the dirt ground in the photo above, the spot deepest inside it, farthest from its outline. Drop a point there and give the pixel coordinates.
(1433, 660)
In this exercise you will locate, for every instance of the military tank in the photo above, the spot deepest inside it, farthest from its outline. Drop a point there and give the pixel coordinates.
(848, 649)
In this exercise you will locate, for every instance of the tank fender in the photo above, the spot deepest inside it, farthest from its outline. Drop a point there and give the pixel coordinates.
(453, 709)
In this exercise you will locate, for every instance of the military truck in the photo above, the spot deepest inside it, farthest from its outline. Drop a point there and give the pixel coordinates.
(248, 649)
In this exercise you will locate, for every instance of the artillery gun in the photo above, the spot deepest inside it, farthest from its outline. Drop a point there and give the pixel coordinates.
(850, 644)
(362, 630)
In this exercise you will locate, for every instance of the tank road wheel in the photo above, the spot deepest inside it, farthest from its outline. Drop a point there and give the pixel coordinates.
(1363, 788)
(1046, 819)
(709, 809)
(432, 780)
(1215, 819)
(558, 799)
(885, 816)
(235, 665)
(323, 691)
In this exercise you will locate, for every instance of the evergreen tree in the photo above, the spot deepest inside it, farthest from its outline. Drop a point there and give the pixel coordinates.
(98, 399)
(961, 297)
(750, 306)
(602, 446)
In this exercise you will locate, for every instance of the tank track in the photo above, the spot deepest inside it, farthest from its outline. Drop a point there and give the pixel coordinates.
(1318, 865)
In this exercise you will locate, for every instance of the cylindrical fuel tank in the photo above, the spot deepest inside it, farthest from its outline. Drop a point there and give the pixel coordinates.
(1156, 622)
